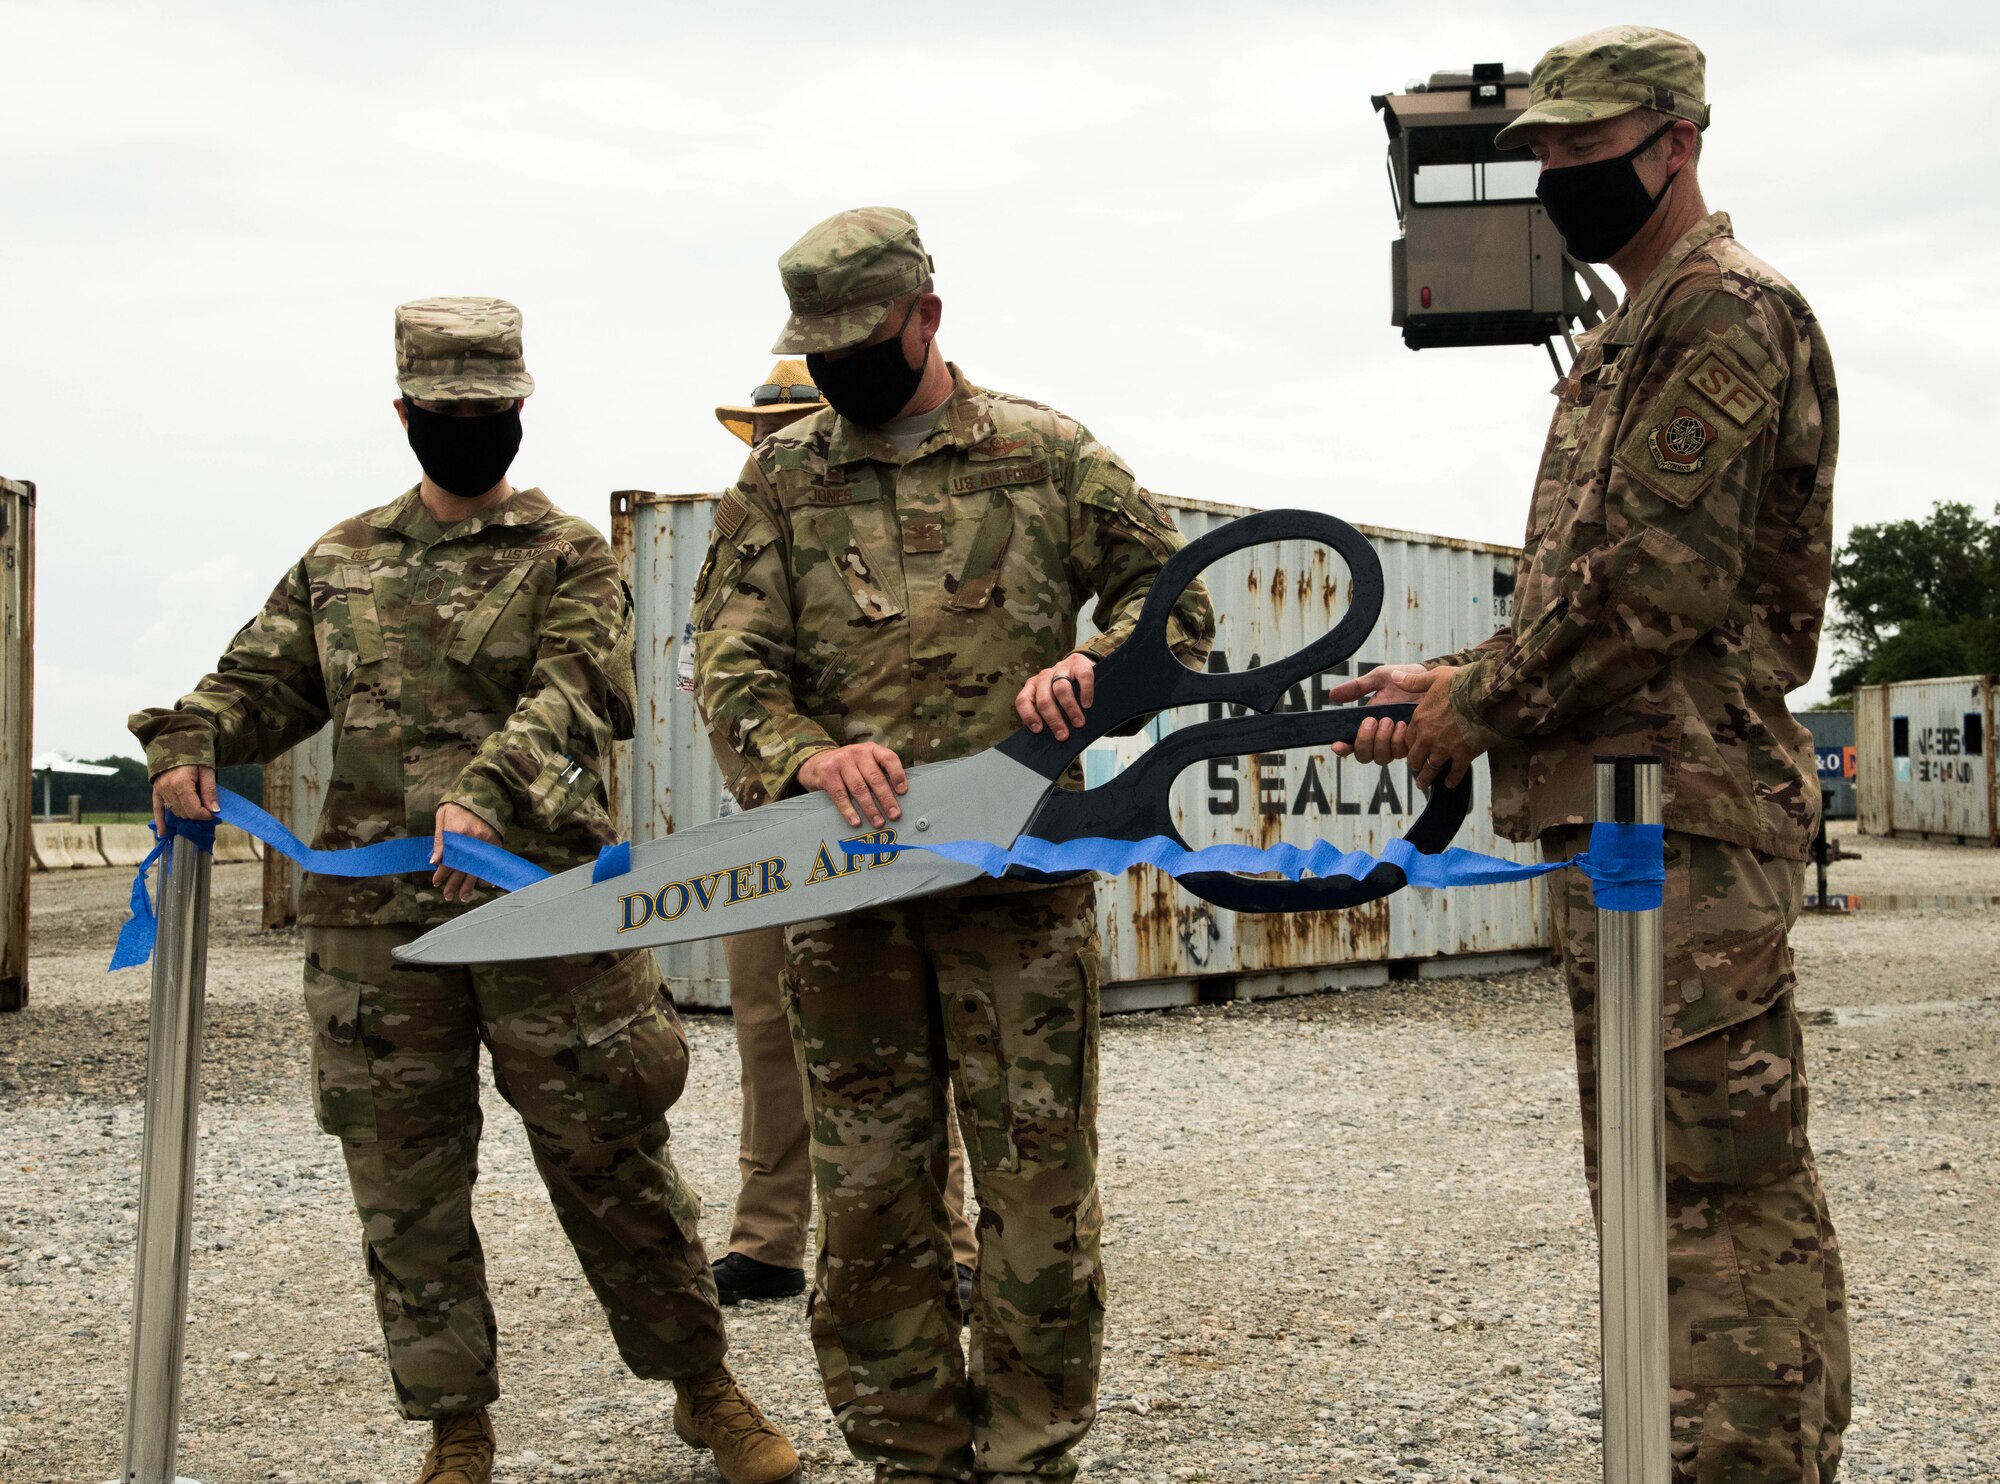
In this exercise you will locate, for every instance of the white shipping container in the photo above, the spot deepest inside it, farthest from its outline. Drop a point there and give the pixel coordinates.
(1160, 944)
(1923, 759)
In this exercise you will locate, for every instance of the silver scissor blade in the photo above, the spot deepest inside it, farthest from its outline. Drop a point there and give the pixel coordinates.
(762, 868)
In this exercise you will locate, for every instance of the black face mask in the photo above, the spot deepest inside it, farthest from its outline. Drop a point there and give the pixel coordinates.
(464, 456)
(1599, 207)
(874, 384)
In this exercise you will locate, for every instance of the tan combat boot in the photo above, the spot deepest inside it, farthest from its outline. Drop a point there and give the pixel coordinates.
(461, 1450)
(712, 1412)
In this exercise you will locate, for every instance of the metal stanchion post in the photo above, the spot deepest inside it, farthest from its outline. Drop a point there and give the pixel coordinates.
(166, 1170)
(1631, 1133)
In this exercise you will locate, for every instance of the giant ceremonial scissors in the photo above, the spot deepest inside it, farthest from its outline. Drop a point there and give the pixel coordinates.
(797, 859)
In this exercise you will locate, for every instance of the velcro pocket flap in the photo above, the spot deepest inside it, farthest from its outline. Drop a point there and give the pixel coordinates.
(557, 790)
(612, 1000)
(973, 587)
(1725, 983)
(1745, 1352)
(364, 627)
(872, 576)
(334, 1005)
(478, 622)
(1134, 511)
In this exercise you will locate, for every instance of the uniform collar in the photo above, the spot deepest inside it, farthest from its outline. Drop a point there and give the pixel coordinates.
(1623, 327)
(409, 516)
(965, 423)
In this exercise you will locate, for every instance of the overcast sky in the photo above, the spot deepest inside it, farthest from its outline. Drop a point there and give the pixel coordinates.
(1170, 221)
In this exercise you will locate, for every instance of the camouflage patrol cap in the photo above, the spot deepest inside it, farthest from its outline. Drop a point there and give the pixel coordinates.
(1612, 72)
(842, 275)
(460, 350)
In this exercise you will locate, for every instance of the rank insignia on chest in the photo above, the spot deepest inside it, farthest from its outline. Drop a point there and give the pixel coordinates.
(1678, 443)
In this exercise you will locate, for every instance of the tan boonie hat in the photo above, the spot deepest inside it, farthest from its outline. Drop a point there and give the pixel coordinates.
(1612, 72)
(460, 350)
(841, 276)
(789, 388)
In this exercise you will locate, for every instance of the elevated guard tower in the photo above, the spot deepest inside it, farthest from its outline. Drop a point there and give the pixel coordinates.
(1478, 262)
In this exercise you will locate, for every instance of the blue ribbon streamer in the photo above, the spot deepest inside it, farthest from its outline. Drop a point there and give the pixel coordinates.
(142, 929)
(481, 858)
(612, 860)
(1625, 862)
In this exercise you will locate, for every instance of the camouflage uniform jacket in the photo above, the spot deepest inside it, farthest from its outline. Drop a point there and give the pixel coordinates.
(486, 664)
(1674, 579)
(852, 594)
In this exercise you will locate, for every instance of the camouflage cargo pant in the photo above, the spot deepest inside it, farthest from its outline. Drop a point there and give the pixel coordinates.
(774, 1200)
(993, 999)
(1756, 1300)
(591, 1055)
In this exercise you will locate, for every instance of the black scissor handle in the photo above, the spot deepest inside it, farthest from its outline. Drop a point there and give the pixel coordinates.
(1139, 803)
(1143, 675)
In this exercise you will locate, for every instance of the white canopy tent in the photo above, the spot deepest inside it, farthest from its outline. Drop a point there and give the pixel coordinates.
(48, 764)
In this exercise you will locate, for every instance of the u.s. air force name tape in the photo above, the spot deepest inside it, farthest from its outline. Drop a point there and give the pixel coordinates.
(1625, 862)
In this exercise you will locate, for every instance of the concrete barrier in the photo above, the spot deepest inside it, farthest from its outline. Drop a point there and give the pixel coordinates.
(67, 847)
(125, 844)
(72, 847)
(232, 844)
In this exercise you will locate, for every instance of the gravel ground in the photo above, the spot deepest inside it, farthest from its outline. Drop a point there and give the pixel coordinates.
(1908, 867)
(1347, 1237)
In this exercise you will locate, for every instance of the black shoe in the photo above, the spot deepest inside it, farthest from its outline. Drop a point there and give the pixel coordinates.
(965, 1277)
(738, 1278)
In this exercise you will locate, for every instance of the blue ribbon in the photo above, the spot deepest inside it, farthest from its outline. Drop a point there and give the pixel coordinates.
(142, 928)
(481, 858)
(1626, 863)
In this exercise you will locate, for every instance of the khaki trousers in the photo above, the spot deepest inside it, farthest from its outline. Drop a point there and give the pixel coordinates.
(775, 1197)
(1756, 1304)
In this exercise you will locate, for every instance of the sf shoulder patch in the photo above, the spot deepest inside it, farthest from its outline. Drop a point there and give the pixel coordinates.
(1677, 443)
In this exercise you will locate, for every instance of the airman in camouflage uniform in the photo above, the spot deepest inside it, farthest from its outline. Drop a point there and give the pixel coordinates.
(898, 578)
(1669, 595)
(767, 1238)
(470, 646)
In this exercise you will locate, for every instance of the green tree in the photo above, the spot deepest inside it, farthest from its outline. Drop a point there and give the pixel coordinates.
(129, 791)
(1917, 598)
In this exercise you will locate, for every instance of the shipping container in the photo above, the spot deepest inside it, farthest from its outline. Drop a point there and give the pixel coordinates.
(1923, 759)
(294, 792)
(1833, 746)
(1160, 945)
(17, 727)
(666, 778)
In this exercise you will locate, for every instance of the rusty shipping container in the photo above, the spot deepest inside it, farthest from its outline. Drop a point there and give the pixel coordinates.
(665, 777)
(1923, 760)
(1162, 946)
(17, 728)
(294, 792)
